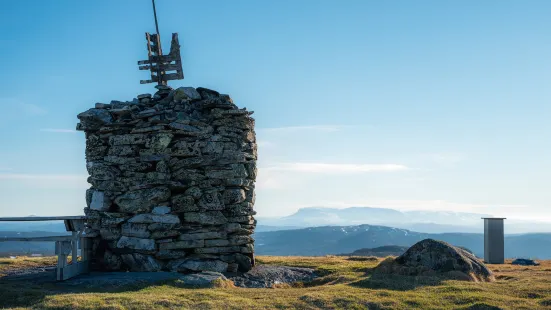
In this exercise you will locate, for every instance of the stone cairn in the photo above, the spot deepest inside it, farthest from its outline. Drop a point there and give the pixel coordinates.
(172, 182)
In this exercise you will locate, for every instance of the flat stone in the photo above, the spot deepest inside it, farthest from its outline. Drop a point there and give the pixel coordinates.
(100, 202)
(100, 171)
(218, 250)
(100, 105)
(216, 242)
(240, 240)
(110, 220)
(211, 201)
(204, 235)
(120, 160)
(164, 234)
(136, 243)
(93, 119)
(186, 93)
(265, 276)
(232, 227)
(210, 265)
(144, 96)
(142, 200)
(159, 141)
(206, 218)
(194, 192)
(168, 254)
(110, 233)
(153, 218)
(186, 149)
(234, 195)
(123, 150)
(183, 203)
(161, 210)
(135, 167)
(135, 230)
(161, 226)
(127, 139)
(187, 244)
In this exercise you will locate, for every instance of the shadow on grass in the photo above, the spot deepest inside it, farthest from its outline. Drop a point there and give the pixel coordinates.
(30, 291)
(397, 282)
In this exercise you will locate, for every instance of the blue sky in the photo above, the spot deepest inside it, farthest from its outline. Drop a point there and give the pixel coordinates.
(428, 104)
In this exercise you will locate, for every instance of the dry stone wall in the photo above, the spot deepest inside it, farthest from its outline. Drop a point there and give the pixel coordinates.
(172, 182)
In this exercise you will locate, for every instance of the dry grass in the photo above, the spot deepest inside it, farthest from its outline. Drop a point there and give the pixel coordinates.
(345, 283)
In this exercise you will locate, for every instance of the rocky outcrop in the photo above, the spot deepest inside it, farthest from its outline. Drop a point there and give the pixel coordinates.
(436, 258)
(172, 178)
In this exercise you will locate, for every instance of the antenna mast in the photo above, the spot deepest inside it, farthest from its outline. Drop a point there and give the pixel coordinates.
(158, 63)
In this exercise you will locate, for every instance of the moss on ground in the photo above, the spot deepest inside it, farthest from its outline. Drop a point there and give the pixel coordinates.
(345, 283)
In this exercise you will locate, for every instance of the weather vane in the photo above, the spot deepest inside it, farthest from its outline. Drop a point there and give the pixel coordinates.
(158, 63)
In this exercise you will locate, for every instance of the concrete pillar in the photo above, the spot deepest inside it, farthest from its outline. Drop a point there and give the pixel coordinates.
(494, 240)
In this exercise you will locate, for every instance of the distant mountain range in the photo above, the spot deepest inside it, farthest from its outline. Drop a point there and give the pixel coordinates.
(326, 240)
(27, 248)
(381, 251)
(421, 221)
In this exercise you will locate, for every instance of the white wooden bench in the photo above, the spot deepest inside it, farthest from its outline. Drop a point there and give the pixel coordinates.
(64, 245)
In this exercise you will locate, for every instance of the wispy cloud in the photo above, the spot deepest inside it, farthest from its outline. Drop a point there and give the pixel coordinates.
(56, 130)
(14, 108)
(264, 143)
(45, 180)
(42, 177)
(323, 128)
(446, 158)
(31, 108)
(336, 168)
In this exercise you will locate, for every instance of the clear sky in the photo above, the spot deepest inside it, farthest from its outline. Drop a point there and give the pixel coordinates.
(427, 104)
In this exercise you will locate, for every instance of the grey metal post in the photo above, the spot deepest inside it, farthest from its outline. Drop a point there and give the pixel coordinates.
(494, 240)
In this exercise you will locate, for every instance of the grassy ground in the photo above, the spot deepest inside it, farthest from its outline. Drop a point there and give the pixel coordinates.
(345, 284)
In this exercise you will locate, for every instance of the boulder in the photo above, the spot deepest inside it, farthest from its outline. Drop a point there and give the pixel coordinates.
(525, 262)
(436, 258)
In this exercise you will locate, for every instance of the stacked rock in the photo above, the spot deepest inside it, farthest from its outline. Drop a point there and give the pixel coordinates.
(172, 182)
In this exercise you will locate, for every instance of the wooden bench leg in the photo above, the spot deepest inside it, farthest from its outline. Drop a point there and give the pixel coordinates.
(62, 249)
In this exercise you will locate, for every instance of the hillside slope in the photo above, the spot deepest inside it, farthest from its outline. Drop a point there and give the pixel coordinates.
(346, 239)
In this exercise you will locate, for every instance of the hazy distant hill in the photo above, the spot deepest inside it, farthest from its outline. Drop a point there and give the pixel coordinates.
(421, 221)
(382, 251)
(27, 248)
(346, 239)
